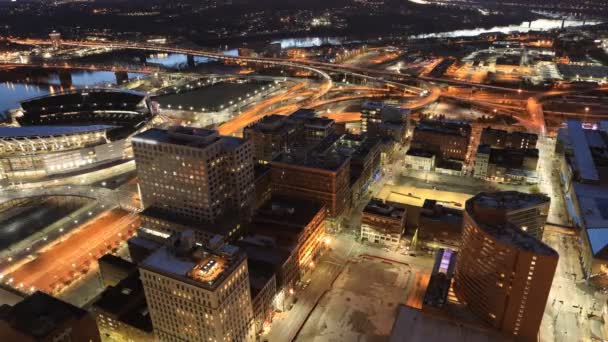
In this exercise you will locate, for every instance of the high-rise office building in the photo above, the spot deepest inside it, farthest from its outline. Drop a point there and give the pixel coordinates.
(194, 173)
(197, 293)
(527, 212)
(503, 274)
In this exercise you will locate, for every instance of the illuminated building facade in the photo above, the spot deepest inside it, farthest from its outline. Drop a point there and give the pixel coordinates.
(323, 179)
(383, 222)
(194, 173)
(446, 138)
(72, 131)
(503, 274)
(196, 293)
(270, 136)
(122, 313)
(297, 224)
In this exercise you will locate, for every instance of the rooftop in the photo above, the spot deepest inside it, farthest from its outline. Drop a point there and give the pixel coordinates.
(505, 232)
(117, 261)
(270, 124)
(287, 211)
(221, 226)
(509, 200)
(377, 207)
(182, 259)
(263, 249)
(49, 131)
(39, 314)
(418, 152)
(127, 302)
(583, 158)
(413, 325)
(593, 201)
(327, 162)
(318, 122)
(187, 136)
(446, 127)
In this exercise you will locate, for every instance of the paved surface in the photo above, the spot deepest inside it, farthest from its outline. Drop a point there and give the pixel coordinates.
(59, 264)
(362, 303)
(574, 310)
(345, 247)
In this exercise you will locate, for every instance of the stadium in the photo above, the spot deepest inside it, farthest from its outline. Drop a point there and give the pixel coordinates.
(72, 132)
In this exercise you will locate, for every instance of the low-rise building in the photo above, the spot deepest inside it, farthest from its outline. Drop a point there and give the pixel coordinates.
(122, 313)
(583, 157)
(439, 226)
(420, 159)
(448, 139)
(498, 138)
(41, 317)
(506, 165)
(263, 284)
(113, 269)
(383, 222)
(449, 167)
(293, 222)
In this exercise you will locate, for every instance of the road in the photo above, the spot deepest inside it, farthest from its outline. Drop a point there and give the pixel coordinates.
(58, 264)
(573, 309)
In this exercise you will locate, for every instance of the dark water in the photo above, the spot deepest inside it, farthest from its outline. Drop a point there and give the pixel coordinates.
(11, 93)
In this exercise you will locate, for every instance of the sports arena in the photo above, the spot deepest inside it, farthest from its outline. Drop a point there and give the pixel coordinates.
(72, 132)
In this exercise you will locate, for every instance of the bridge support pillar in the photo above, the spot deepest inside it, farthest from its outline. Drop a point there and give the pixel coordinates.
(191, 63)
(122, 77)
(65, 78)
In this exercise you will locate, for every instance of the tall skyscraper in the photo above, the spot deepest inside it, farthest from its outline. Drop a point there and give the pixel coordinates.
(503, 274)
(198, 294)
(527, 212)
(194, 173)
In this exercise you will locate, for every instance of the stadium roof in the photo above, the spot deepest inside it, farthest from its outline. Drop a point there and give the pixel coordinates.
(44, 131)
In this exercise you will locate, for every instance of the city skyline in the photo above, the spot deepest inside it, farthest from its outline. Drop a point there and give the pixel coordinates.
(303, 171)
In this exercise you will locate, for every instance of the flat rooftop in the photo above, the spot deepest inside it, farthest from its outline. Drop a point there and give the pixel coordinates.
(270, 124)
(583, 158)
(377, 207)
(446, 127)
(39, 314)
(182, 259)
(413, 325)
(509, 200)
(184, 136)
(329, 162)
(418, 152)
(287, 211)
(127, 302)
(511, 235)
(593, 200)
(506, 232)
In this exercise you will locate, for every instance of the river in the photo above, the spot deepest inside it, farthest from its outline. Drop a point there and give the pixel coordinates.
(12, 93)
